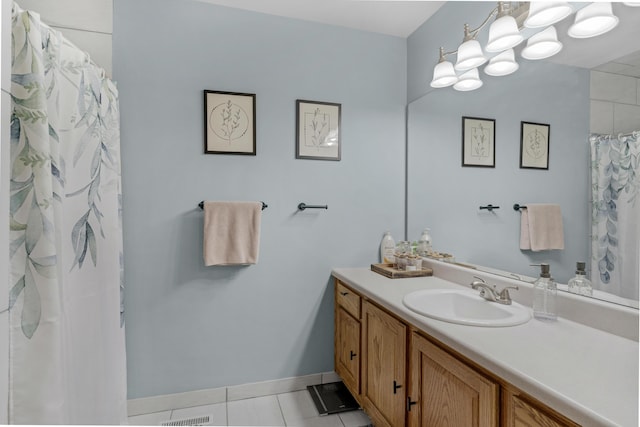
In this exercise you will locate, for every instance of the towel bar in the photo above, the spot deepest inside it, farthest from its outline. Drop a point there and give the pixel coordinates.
(517, 207)
(303, 206)
(264, 205)
(489, 207)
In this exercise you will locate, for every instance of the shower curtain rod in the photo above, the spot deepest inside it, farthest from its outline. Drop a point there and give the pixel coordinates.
(50, 28)
(618, 135)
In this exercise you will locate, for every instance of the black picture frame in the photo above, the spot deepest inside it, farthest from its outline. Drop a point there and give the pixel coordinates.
(229, 123)
(534, 145)
(318, 130)
(478, 142)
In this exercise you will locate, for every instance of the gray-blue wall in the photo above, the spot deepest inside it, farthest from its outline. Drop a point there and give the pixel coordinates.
(190, 327)
(445, 196)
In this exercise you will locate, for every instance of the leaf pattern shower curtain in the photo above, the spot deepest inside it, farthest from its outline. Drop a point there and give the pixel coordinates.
(67, 344)
(615, 247)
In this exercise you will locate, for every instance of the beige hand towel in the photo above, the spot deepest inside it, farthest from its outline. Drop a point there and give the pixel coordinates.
(231, 232)
(541, 227)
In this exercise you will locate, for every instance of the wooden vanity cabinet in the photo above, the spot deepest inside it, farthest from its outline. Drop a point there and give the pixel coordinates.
(384, 359)
(446, 392)
(520, 410)
(347, 337)
(401, 377)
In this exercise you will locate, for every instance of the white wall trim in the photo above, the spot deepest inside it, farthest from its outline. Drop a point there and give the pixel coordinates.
(148, 405)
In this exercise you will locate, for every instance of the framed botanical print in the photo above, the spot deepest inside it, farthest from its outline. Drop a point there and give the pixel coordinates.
(478, 142)
(318, 134)
(229, 123)
(534, 145)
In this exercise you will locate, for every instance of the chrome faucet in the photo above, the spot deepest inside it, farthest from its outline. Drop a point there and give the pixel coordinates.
(490, 293)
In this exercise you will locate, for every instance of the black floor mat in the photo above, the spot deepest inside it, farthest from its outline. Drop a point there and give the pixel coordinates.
(332, 398)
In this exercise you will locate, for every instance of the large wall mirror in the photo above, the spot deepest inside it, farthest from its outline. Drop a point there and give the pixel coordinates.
(445, 195)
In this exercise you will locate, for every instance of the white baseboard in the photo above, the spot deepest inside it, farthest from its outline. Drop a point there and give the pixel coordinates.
(148, 405)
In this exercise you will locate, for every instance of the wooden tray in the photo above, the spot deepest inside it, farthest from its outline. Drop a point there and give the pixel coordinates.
(387, 270)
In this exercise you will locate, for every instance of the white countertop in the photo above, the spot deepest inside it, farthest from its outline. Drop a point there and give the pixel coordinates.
(586, 374)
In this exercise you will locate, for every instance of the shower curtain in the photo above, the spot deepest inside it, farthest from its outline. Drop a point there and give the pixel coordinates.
(67, 345)
(615, 247)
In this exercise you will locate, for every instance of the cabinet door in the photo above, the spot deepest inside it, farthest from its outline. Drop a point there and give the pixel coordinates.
(446, 391)
(384, 366)
(347, 349)
(519, 412)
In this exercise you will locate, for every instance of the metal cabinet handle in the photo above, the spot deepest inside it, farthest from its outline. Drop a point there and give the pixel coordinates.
(344, 294)
(396, 386)
(410, 403)
(351, 355)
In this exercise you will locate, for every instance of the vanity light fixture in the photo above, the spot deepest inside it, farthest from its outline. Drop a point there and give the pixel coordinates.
(443, 74)
(543, 13)
(502, 64)
(503, 33)
(470, 52)
(542, 45)
(593, 20)
(469, 80)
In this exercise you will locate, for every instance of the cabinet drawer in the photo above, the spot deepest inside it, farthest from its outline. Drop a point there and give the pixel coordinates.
(348, 299)
(519, 410)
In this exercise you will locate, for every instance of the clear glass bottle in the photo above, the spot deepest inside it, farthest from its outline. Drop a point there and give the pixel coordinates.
(545, 292)
(424, 243)
(580, 284)
(412, 263)
(403, 247)
(401, 261)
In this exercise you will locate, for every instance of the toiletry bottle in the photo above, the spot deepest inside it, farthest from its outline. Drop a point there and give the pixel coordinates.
(580, 284)
(387, 249)
(544, 295)
(424, 243)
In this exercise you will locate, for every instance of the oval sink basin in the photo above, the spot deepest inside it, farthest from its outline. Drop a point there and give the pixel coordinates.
(465, 307)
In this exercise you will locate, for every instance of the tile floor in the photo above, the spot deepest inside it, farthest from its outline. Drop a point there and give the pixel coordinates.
(286, 409)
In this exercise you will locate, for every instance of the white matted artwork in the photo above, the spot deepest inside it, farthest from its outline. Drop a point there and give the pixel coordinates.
(534, 145)
(478, 142)
(318, 130)
(229, 123)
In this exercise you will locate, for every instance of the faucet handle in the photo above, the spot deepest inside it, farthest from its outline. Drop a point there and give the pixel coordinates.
(479, 281)
(504, 293)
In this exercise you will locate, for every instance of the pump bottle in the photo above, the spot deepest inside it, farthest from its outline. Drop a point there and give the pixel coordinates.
(580, 284)
(424, 243)
(545, 294)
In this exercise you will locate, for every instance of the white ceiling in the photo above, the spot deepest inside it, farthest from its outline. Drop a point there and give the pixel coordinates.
(616, 52)
(391, 17)
(401, 18)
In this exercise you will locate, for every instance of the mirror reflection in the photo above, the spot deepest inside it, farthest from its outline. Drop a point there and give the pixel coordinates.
(445, 193)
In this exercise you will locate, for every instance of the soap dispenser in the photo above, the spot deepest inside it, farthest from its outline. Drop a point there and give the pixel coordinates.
(545, 293)
(424, 243)
(580, 284)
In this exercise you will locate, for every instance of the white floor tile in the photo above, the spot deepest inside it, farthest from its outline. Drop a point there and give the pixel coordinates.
(355, 419)
(297, 406)
(217, 413)
(325, 421)
(259, 411)
(153, 419)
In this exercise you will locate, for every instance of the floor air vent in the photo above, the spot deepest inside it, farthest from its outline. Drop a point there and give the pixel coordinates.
(195, 421)
(332, 398)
